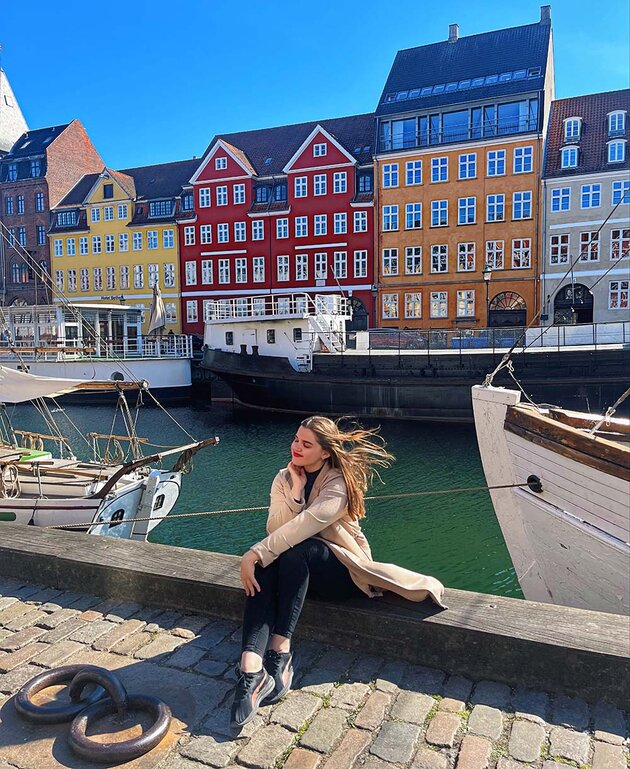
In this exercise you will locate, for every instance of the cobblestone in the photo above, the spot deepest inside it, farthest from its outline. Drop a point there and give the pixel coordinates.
(23, 638)
(63, 631)
(391, 675)
(373, 712)
(474, 753)
(424, 679)
(211, 667)
(349, 696)
(492, 694)
(565, 743)
(532, 705)
(11, 660)
(118, 633)
(185, 656)
(570, 711)
(429, 759)
(302, 759)
(346, 754)
(412, 707)
(396, 742)
(91, 631)
(442, 730)
(608, 756)
(26, 620)
(159, 648)
(458, 688)
(526, 740)
(57, 618)
(449, 705)
(486, 721)
(56, 654)
(610, 725)
(296, 710)
(15, 679)
(206, 750)
(265, 747)
(325, 730)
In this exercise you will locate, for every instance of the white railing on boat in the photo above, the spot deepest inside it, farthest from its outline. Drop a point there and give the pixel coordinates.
(276, 306)
(169, 346)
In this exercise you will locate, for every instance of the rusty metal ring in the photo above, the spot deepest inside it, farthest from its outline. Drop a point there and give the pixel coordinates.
(56, 714)
(117, 752)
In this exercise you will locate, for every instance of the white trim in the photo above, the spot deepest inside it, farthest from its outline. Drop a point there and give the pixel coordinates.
(321, 245)
(593, 177)
(318, 129)
(226, 179)
(586, 224)
(218, 144)
(321, 168)
(126, 297)
(221, 253)
(260, 291)
(561, 274)
(283, 212)
(104, 174)
(362, 205)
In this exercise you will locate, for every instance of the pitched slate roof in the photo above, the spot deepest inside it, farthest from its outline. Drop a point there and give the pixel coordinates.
(593, 151)
(268, 150)
(475, 56)
(35, 142)
(164, 180)
(77, 194)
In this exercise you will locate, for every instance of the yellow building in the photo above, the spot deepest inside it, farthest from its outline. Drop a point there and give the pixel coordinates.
(115, 235)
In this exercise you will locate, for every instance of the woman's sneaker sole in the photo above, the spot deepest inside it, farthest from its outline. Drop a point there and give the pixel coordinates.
(273, 698)
(266, 690)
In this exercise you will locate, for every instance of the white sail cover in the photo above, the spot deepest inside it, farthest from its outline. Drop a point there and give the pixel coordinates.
(157, 319)
(18, 386)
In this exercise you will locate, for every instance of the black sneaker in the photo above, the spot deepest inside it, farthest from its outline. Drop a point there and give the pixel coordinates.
(279, 665)
(251, 690)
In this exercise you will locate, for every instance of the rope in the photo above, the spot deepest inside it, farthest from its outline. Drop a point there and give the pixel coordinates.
(470, 489)
(10, 487)
(609, 412)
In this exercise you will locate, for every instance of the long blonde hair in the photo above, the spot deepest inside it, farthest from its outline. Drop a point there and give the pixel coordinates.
(358, 453)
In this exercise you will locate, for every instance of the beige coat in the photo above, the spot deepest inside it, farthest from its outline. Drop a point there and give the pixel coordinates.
(326, 517)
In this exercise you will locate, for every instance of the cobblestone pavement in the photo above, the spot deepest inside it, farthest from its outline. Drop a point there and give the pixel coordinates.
(347, 710)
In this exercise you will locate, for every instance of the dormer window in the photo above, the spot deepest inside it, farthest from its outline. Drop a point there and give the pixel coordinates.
(261, 194)
(36, 168)
(616, 123)
(160, 208)
(66, 218)
(572, 129)
(220, 164)
(187, 202)
(12, 172)
(569, 157)
(280, 191)
(617, 151)
(319, 150)
(365, 182)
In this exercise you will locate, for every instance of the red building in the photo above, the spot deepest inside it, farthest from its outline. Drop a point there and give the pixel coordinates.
(282, 210)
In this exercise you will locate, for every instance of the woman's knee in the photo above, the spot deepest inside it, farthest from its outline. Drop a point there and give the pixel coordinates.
(296, 555)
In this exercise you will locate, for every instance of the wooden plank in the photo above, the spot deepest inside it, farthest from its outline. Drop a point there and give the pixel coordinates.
(587, 421)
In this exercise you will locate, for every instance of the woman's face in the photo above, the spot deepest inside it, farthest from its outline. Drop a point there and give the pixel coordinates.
(306, 452)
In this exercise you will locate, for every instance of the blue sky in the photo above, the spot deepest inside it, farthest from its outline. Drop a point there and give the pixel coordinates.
(152, 85)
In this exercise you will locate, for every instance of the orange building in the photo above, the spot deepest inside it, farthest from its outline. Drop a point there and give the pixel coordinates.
(458, 166)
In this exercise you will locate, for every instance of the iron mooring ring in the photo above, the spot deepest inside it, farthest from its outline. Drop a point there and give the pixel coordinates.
(117, 752)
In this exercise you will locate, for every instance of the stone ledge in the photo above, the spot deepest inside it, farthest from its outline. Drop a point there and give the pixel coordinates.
(522, 643)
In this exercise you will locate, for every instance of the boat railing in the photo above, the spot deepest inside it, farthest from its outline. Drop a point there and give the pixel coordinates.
(60, 349)
(275, 306)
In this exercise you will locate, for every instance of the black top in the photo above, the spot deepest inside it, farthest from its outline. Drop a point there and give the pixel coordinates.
(310, 480)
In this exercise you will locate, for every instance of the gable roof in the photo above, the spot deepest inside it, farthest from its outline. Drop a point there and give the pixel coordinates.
(79, 192)
(475, 56)
(593, 153)
(35, 142)
(268, 150)
(163, 180)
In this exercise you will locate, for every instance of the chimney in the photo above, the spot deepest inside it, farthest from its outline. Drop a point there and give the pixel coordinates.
(545, 14)
(453, 33)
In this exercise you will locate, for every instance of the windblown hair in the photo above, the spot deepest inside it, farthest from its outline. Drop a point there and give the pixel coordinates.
(358, 453)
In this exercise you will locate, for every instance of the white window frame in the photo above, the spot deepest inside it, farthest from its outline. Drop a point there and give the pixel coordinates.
(137, 241)
(618, 288)
(320, 150)
(320, 225)
(282, 228)
(413, 260)
(224, 271)
(464, 208)
(572, 128)
(439, 258)
(413, 173)
(523, 160)
(360, 221)
(390, 218)
(205, 197)
(390, 175)
(282, 268)
(340, 265)
(221, 194)
(240, 232)
(190, 273)
(413, 216)
(220, 163)
(559, 248)
(238, 194)
(439, 213)
(189, 235)
(340, 223)
(620, 192)
(467, 166)
(110, 244)
(569, 157)
(360, 263)
(124, 277)
(207, 270)
(258, 269)
(495, 254)
(494, 203)
(495, 164)
(558, 198)
(223, 232)
(521, 205)
(619, 243)
(192, 311)
(300, 187)
(616, 151)
(389, 262)
(301, 267)
(466, 303)
(589, 246)
(152, 240)
(439, 170)
(340, 182)
(320, 185)
(593, 192)
(466, 257)
(413, 305)
(438, 304)
(240, 269)
(389, 306)
(521, 253)
(301, 226)
(321, 265)
(258, 229)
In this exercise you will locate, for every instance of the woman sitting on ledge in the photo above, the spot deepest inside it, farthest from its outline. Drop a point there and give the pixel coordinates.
(315, 546)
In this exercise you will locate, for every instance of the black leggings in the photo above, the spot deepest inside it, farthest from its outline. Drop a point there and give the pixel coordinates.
(311, 567)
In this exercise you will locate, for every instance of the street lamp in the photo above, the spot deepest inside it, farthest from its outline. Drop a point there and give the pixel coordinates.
(487, 275)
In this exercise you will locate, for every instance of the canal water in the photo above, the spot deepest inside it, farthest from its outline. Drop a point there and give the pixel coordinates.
(455, 538)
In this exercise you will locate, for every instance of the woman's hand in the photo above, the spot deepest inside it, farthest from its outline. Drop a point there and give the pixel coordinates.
(298, 480)
(248, 562)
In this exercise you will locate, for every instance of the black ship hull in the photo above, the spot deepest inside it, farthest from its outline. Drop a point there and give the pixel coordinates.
(435, 387)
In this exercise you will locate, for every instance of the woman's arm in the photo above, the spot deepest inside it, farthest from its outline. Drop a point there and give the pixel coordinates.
(330, 505)
(285, 503)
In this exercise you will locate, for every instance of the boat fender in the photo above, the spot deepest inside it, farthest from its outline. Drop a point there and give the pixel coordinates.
(535, 484)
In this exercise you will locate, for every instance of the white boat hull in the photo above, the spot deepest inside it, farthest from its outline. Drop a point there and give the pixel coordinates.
(569, 543)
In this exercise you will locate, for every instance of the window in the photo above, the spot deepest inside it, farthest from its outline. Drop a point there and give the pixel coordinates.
(495, 254)
(340, 264)
(413, 305)
(240, 268)
(439, 213)
(223, 233)
(300, 186)
(413, 172)
(413, 216)
(319, 150)
(569, 157)
(96, 244)
(85, 279)
(189, 235)
(220, 164)
(390, 218)
(204, 197)
(58, 247)
(340, 181)
(169, 275)
(59, 281)
(319, 184)
(240, 231)
(138, 276)
(439, 304)
(365, 182)
(261, 193)
(137, 241)
(20, 204)
(466, 257)
(239, 194)
(591, 195)
(206, 271)
(124, 277)
(561, 199)
(258, 229)
(39, 201)
(468, 166)
(618, 294)
(192, 311)
(466, 210)
(108, 213)
(572, 127)
(340, 223)
(495, 208)
(390, 261)
(282, 267)
(8, 205)
(222, 196)
(616, 151)
(321, 266)
(439, 258)
(108, 191)
(12, 172)
(22, 236)
(619, 244)
(258, 263)
(439, 169)
(301, 266)
(616, 123)
(521, 253)
(589, 246)
(152, 239)
(12, 238)
(390, 306)
(72, 281)
(390, 175)
(123, 241)
(271, 336)
(66, 218)
(96, 215)
(360, 221)
(110, 244)
(36, 168)
(465, 304)
(41, 235)
(321, 224)
(282, 228)
(523, 160)
(559, 249)
(110, 278)
(521, 205)
(122, 210)
(97, 277)
(360, 264)
(83, 246)
(301, 226)
(190, 273)
(224, 270)
(496, 163)
(413, 260)
(620, 191)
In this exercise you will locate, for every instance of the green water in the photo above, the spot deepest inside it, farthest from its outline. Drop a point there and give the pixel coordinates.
(455, 538)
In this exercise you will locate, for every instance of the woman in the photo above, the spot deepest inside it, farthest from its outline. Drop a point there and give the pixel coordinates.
(315, 545)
